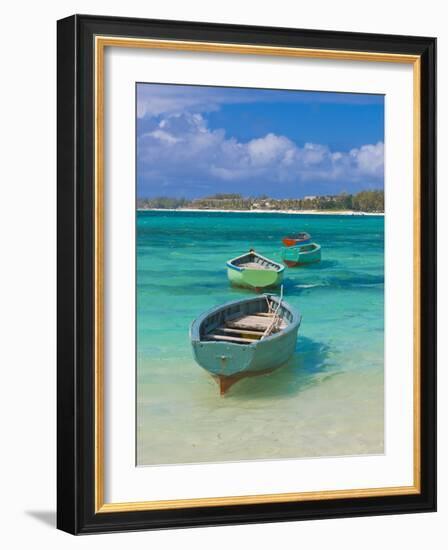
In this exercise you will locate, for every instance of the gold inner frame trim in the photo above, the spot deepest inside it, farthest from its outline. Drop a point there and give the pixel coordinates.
(101, 42)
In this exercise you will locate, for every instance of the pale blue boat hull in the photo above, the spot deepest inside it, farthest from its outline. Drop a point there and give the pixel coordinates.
(228, 359)
(233, 361)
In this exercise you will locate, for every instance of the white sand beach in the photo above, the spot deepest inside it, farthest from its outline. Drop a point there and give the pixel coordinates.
(254, 211)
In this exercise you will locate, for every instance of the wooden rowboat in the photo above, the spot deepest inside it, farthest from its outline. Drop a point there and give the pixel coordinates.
(254, 271)
(244, 338)
(293, 256)
(296, 239)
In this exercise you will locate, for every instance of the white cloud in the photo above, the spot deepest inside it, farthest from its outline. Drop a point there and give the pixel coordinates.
(270, 148)
(370, 159)
(164, 136)
(161, 99)
(182, 146)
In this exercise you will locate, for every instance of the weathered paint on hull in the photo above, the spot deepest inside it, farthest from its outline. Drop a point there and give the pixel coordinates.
(232, 362)
(229, 361)
(294, 256)
(255, 278)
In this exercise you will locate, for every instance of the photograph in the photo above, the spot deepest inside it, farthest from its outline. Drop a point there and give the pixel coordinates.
(259, 274)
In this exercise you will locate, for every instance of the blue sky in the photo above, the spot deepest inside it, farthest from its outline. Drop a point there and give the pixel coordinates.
(194, 141)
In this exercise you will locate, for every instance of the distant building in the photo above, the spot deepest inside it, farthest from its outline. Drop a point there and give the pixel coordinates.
(310, 197)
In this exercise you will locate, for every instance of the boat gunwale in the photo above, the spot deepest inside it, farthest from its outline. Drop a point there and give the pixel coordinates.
(317, 248)
(195, 326)
(295, 236)
(230, 264)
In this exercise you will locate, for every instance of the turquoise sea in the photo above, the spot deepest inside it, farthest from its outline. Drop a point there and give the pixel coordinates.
(327, 401)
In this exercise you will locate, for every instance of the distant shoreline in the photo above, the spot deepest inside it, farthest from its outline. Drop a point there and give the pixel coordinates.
(297, 212)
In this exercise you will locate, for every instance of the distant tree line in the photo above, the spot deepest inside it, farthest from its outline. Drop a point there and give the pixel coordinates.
(364, 201)
(368, 201)
(161, 202)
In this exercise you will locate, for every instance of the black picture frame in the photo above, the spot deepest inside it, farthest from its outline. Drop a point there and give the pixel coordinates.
(76, 261)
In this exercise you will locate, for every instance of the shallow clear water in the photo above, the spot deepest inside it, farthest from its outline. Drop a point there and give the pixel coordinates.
(327, 401)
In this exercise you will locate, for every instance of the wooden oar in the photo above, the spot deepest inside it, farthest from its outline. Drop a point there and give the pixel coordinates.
(276, 318)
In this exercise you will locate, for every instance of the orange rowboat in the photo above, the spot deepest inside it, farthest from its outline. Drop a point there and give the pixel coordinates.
(296, 239)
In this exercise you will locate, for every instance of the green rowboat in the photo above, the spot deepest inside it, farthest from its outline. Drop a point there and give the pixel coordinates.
(244, 338)
(254, 271)
(293, 256)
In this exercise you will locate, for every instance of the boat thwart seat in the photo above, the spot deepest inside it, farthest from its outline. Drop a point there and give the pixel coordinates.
(253, 322)
(233, 341)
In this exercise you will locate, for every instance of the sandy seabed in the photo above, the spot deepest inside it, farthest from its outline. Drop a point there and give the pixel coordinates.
(270, 417)
(298, 212)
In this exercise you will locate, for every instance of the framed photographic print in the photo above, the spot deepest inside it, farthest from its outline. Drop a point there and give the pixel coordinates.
(246, 274)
